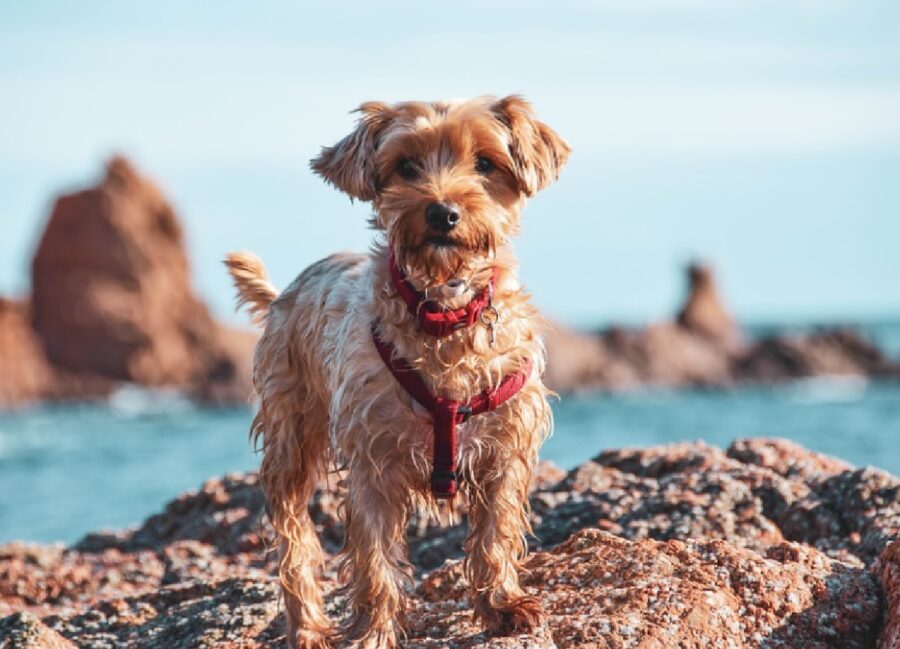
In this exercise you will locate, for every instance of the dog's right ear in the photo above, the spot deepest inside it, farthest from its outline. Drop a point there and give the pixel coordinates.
(349, 165)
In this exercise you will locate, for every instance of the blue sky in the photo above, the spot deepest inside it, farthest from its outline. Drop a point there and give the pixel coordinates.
(762, 136)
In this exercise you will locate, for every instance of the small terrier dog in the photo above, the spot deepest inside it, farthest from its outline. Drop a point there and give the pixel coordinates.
(417, 367)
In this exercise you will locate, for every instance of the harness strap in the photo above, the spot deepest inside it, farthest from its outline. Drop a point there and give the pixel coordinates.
(447, 414)
(434, 320)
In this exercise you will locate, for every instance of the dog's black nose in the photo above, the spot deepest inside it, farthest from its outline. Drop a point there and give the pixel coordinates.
(441, 217)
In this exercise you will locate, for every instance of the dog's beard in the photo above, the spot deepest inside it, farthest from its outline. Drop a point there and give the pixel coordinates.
(434, 263)
(433, 258)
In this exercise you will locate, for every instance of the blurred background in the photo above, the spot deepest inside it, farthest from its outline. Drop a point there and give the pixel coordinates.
(762, 138)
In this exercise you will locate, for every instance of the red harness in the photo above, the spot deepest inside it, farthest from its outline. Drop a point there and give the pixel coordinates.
(446, 414)
(434, 320)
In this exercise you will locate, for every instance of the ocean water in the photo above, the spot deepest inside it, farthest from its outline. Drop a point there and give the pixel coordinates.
(68, 470)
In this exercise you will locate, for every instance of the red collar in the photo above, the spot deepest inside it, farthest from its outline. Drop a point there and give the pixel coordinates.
(447, 414)
(434, 320)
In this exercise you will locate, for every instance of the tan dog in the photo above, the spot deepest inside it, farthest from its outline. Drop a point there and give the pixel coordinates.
(349, 342)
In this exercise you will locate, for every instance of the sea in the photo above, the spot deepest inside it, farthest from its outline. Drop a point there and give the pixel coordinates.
(67, 470)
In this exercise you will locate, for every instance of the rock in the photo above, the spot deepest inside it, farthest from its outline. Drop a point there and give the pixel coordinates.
(853, 512)
(619, 359)
(680, 545)
(604, 591)
(703, 347)
(112, 302)
(786, 458)
(111, 291)
(829, 352)
(228, 514)
(228, 380)
(695, 350)
(673, 492)
(596, 587)
(222, 614)
(25, 374)
(703, 311)
(24, 631)
(225, 513)
(667, 354)
(578, 362)
(546, 474)
(888, 571)
(48, 579)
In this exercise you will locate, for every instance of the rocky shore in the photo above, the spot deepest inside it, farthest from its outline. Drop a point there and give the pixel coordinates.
(766, 544)
(111, 303)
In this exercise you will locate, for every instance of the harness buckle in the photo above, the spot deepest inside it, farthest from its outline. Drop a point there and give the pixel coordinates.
(465, 411)
(443, 484)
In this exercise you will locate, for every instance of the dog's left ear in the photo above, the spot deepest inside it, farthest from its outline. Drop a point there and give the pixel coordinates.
(349, 165)
(537, 152)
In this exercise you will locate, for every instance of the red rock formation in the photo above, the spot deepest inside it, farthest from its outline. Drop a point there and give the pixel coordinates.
(703, 311)
(25, 374)
(786, 458)
(111, 288)
(25, 631)
(112, 302)
(700, 594)
(697, 557)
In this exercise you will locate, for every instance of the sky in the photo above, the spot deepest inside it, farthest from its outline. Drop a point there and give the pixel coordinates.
(763, 136)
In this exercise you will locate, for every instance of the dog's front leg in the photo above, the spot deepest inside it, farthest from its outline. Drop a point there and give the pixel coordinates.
(375, 562)
(498, 520)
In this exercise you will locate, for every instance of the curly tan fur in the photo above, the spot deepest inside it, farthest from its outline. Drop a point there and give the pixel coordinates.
(327, 399)
(254, 290)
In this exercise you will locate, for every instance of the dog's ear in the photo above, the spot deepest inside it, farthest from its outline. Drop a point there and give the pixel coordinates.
(537, 152)
(349, 165)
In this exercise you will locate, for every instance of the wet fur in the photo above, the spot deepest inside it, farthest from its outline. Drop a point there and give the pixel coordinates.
(326, 398)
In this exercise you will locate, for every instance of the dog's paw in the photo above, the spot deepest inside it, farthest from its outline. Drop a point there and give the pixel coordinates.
(311, 639)
(374, 640)
(522, 615)
(361, 635)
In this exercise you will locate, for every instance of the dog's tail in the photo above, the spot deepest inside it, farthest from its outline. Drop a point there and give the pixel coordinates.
(254, 290)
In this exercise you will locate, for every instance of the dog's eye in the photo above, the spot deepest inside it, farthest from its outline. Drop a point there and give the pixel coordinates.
(407, 169)
(483, 165)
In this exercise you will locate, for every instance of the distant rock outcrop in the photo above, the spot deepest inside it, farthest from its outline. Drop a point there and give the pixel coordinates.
(111, 299)
(765, 544)
(704, 347)
(703, 311)
(110, 286)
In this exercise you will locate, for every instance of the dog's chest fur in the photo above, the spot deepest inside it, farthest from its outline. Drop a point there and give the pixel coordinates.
(330, 309)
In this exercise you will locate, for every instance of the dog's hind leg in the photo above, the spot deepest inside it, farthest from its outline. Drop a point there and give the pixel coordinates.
(293, 428)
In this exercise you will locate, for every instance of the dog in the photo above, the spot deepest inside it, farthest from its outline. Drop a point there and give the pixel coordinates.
(417, 366)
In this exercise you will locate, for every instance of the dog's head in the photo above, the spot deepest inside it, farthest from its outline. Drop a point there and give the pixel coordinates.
(447, 179)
